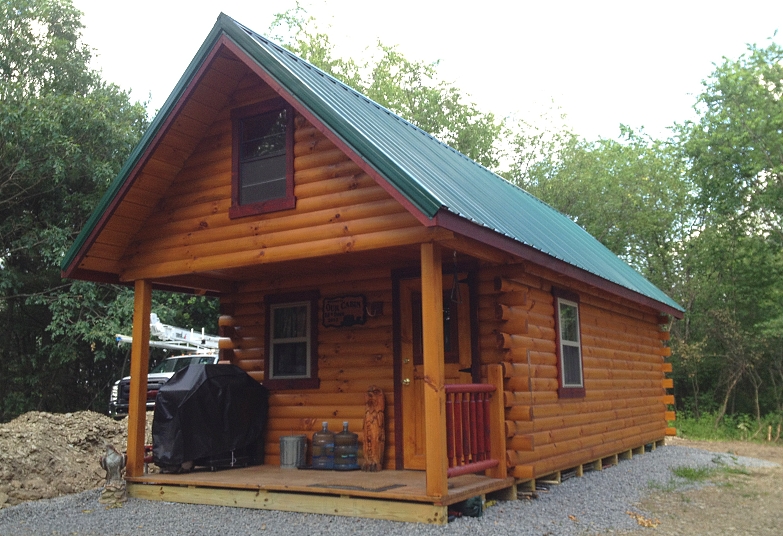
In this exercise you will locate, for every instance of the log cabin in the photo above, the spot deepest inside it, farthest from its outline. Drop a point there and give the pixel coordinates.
(508, 343)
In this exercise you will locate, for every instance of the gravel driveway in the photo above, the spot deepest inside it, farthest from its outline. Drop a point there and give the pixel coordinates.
(600, 502)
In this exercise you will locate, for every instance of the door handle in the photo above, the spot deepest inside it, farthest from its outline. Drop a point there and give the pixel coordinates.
(406, 381)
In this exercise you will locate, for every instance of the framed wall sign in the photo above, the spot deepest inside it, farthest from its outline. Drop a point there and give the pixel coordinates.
(344, 311)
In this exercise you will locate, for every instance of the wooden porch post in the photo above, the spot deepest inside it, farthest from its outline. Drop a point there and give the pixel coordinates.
(497, 422)
(434, 373)
(137, 410)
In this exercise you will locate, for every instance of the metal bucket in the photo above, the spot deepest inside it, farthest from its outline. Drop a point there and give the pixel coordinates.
(293, 450)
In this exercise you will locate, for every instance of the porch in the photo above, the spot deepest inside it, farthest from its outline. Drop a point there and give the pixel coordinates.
(390, 494)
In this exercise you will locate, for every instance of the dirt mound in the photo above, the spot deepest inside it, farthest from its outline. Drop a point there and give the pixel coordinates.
(44, 455)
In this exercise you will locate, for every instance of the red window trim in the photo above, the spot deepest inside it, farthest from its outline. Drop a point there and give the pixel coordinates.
(313, 382)
(289, 201)
(567, 392)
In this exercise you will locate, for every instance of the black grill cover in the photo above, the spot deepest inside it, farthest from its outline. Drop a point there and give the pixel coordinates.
(206, 411)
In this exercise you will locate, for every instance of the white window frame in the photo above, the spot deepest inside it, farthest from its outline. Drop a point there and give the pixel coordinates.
(573, 344)
(273, 308)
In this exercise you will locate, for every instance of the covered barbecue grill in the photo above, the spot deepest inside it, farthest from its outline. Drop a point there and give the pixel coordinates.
(209, 415)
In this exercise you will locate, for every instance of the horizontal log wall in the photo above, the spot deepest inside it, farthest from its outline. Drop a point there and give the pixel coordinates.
(339, 208)
(624, 371)
(351, 359)
(184, 134)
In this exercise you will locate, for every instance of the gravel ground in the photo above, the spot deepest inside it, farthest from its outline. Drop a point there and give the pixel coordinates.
(601, 502)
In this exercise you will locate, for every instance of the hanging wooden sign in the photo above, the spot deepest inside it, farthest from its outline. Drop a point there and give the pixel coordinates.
(344, 311)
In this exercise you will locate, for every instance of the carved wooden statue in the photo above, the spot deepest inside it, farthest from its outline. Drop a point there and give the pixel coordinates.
(374, 429)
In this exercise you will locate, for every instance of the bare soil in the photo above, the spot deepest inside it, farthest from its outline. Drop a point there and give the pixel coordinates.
(732, 502)
(45, 455)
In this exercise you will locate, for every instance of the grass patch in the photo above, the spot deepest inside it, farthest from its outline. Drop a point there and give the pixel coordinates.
(735, 470)
(658, 486)
(737, 427)
(683, 475)
(693, 474)
(728, 470)
(703, 428)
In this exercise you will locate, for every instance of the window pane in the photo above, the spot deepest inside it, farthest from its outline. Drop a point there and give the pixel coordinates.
(262, 159)
(416, 328)
(572, 368)
(263, 135)
(263, 179)
(448, 325)
(450, 329)
(290, 322)
(569, 325)
(290, 359)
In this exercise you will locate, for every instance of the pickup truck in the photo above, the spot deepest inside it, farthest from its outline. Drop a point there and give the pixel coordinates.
(120, 391)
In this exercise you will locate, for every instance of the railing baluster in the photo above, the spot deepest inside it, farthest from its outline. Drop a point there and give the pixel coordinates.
(457, 430)
(487, 435)
(480, 452)
(450, 428)
(473, 428)
(467, 427)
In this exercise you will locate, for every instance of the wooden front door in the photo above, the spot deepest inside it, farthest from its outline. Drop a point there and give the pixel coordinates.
(457, 353)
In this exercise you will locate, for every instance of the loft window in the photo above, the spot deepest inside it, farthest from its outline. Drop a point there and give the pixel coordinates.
(262, 159)
(569, 344)
(262, 169)
(291, 351)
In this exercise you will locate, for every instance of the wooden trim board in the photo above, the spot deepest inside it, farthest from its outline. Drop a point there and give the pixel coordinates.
(296, 502)
(394, 495)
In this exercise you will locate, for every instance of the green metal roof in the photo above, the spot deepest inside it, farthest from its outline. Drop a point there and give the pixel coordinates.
(428, 173)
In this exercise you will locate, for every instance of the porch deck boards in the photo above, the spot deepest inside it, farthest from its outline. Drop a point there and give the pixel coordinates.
(409, 486)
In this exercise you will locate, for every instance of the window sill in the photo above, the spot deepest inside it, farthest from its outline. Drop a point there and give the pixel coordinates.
(571, 392)
(301, 383)
(273, 205)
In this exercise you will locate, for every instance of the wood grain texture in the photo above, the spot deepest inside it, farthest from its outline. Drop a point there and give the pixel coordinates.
(374, 430)
(622, 353)
(434, 369)
(137, 405)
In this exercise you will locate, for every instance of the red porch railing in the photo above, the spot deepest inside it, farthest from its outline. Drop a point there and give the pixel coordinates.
(468, 437)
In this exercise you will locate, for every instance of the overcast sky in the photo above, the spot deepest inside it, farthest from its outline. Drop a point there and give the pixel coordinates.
(603, 63)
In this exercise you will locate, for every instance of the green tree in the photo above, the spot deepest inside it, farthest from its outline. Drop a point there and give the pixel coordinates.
(734, 151)
(736, 145)
(63, 136)
(40, 52)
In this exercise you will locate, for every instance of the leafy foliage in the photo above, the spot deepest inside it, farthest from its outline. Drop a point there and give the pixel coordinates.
(735, 427)
(736, 146)
(735, 156)
(40, 52)
(63, 136)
